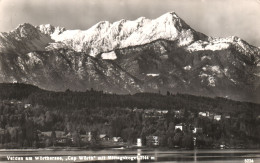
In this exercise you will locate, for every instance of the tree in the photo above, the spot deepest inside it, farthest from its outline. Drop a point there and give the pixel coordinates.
(53, 138)
(76, 139)
(187, 141)
(171, 128)
(13, 134)
(177, 139)
(94, 137)
(117, 126)
(48, 142)
(163, 140)
(128, 135)
(29, 128)
(170, 142)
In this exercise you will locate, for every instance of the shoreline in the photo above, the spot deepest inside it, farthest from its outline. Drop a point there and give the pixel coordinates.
(112, 148)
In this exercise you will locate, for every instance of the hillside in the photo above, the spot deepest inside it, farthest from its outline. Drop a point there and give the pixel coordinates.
(94, 99)
(27, 113)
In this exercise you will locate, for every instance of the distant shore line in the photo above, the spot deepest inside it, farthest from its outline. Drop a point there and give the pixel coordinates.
(117, 148)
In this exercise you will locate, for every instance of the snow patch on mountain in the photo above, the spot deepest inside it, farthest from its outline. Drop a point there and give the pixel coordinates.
(54, 45)
(21, 64)
(218, 46)
(163, 50)
(203, 75)
(187, 67)
(164, 57)
(186, 37)
(109, 55)
(215, 69)
(241, 44)
(204, 45)
(205, 57)
(233, 81)
(212, 81)
(33, 59)
(48, 29)
(69, 35)
(153, 75)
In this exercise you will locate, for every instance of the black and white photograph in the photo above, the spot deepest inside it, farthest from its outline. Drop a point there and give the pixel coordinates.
(131, 81)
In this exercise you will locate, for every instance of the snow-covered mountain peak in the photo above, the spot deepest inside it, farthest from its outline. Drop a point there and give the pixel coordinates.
(25, 38)
(46, 28)
(140, 19)
(50, 29)
(24, 26)
(105, 36)
(100, 25)
(216, 44)
(25, 30)
(169, 16)
(122, 21)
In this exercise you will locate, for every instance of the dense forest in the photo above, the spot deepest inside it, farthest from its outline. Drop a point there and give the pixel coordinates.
(26, 110)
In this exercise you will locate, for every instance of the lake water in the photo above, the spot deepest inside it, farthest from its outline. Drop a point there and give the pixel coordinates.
(131, 155)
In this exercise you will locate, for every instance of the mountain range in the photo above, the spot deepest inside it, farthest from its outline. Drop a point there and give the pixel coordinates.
(143, 55)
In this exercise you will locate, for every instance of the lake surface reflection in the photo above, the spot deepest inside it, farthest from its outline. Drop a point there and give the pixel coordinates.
(131, 155)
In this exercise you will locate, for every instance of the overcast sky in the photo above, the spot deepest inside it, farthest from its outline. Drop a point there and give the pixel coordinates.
(217, 18)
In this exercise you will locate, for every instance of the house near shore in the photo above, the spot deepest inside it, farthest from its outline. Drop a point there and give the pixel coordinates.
(57, 133)
(60, 137)
(162, 111)
(137, 110)
(27, 106)
(217, 117)
(86, 137)
(197, 130)
(139, 142)
(104, 137)
(152, 140)
(202, 114)
(149, 111)
(62, 140)
(117, 139)
(179, 126)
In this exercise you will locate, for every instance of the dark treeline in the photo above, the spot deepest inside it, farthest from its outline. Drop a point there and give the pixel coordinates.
(92, 99)
(123, 116)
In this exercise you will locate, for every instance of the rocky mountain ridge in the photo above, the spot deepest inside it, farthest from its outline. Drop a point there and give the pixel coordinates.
(164, 54)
